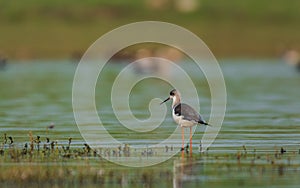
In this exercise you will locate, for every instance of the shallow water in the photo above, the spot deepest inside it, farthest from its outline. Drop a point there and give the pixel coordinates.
(262, 114)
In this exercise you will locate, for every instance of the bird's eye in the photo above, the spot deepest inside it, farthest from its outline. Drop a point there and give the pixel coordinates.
(172, 93)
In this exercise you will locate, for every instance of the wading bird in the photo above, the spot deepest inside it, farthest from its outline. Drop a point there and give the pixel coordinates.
(184, 115)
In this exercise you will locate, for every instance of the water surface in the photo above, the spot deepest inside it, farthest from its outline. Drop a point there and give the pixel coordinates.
(262, 115)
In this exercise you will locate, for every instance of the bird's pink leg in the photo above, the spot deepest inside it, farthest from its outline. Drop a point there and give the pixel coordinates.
(182, 138)
(191, 144)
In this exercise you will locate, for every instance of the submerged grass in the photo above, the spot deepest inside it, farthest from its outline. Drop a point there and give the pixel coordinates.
(52, 164)
(53, 151)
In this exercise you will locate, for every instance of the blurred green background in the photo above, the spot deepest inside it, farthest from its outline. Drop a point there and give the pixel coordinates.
(58, 29)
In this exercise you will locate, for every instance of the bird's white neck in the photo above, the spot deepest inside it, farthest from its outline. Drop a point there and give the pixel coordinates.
(176, 100)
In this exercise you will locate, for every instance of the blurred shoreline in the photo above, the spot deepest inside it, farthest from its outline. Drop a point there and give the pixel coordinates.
(65, 29)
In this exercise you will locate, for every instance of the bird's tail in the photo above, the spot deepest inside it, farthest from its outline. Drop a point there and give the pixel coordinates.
(204, 123)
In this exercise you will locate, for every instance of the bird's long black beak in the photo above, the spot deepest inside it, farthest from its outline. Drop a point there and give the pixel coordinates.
(165, 100)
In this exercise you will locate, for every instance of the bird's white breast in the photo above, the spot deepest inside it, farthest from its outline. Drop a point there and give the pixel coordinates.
(176, 118)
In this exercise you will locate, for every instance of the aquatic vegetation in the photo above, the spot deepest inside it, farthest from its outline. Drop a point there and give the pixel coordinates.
(65, 165)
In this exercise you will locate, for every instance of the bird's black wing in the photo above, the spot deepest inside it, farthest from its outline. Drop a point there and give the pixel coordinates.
(188, 113)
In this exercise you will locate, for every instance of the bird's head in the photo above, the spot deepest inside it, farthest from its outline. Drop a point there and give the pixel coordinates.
(173, 95)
